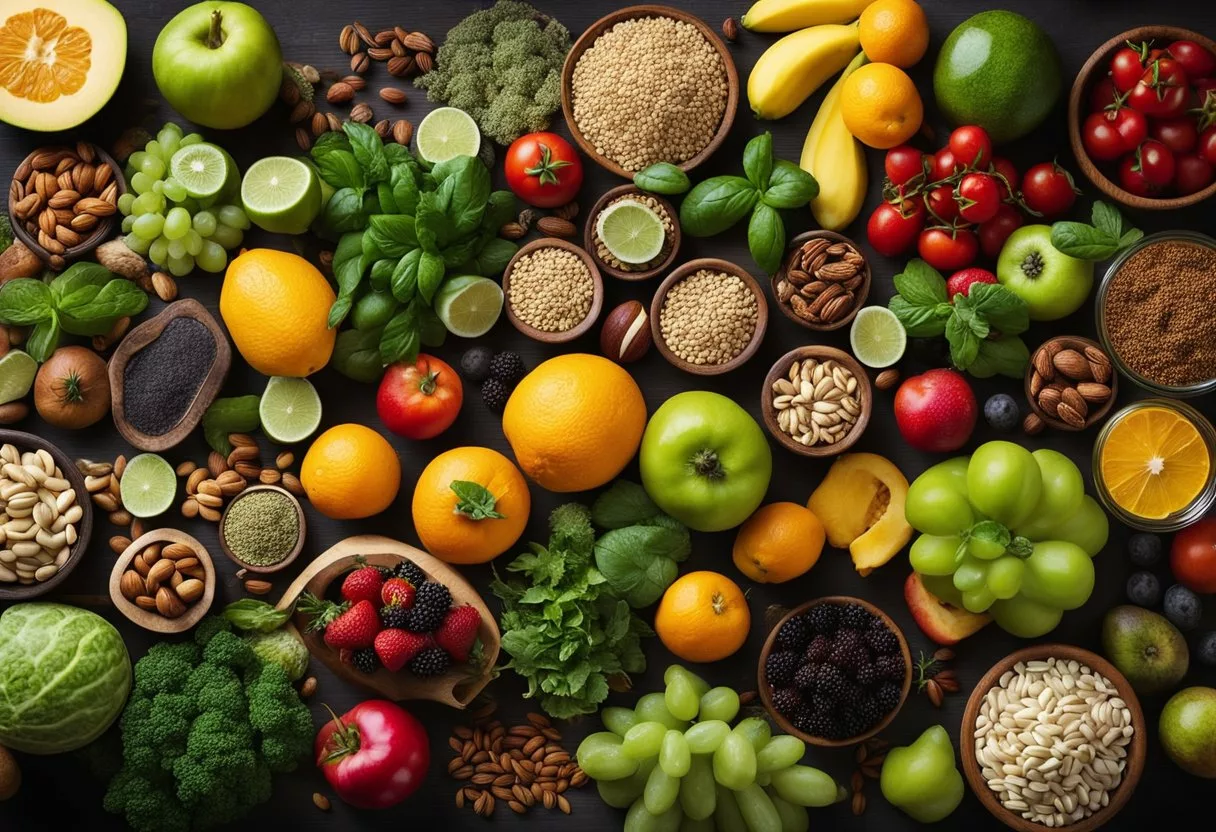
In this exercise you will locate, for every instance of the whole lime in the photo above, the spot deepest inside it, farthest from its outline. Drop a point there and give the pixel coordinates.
(999, 70)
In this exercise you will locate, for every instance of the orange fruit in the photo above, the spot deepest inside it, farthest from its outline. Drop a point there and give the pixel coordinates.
(276, 307)
(464, 529)
(349, 472)
(894, 32)
(575, 422)
(1154, 462)
(778, 543)
(703, 617)
(880, 106)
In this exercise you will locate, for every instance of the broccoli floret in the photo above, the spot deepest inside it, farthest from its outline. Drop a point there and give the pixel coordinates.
(208, 627)
(229, 650)
(146, 807)
(161, 671)
(570, 528)
(6, 233)
(285, 723)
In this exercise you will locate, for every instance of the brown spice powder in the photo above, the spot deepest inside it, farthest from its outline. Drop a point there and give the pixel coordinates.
(1159, 313)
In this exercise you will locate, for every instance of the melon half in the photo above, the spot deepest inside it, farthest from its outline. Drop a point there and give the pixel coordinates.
(60, 61)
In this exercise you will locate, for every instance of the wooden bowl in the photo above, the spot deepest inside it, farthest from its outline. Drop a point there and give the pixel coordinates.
(142, 336)
(84, 529)
(629, 13)
(766, 695)
(865, 396)
(101, 232)
(1078, 343)
(1136, 749)
(597, 293)
(1078, 107)
(146, 618)
(677, 235)
(456, 687)
(291, 556)
(692, 267)
(862, 293)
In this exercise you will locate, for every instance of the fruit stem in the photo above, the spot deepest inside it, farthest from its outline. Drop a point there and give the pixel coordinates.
(215, 37)
(344, 741)
(429, 383)
(705, 463)
(73, 390)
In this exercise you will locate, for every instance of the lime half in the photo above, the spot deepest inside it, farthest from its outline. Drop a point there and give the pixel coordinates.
(290, 409)
(468, 305)
(148, 485)
(17, 371)
(446, 133)
(281, 194)
(202, 168)
(631, 231)
(877, 337)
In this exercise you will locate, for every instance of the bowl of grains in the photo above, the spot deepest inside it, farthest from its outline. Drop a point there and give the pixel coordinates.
(708, 317)
(824, 280)
(164, 581)
(1053, 736)
(817, 401)
(48, 517)
(1069, 383)
(262, 529)
(1154, 313)
(654, 203)
(553, 289)
(649, 84)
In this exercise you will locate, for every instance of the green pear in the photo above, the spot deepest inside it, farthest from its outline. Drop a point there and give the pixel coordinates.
(1146, 647)
(921, 778)
(1188, 730)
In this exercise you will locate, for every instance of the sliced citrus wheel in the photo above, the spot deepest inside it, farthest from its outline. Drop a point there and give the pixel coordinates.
(1154, 462)
(148, 485)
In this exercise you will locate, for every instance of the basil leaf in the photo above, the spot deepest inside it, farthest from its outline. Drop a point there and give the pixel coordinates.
(1005, 312)
(1006, 356)
(373, 310)
(340, 170)
(469, 183)
(662, 178)
(44, 338)
(327, 143)
(758, 160)
(344, 211)
(368, 150)
(636, 563)
(766, 238)
(431, 223)
(25, 301)
(1082, 241)
(921, 285)
(920, 321)
(255, 616)
(77, 277)
(1107, 219)
(396, 154)
(238, 414)
(500, 210)
(789, 186)
(382, 273)
(117, 299)
(349, 266)
(716, 204)
(475, 501)
(966, 315)
(430, 275)
(384, 195)
(625, 503)
(964, 345)
(405, 188)
(401, 338)
(493, 258)
(458, 254)
(392, 234)
(357, 355)
(404, 281)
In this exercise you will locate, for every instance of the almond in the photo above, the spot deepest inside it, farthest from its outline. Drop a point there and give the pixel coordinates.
(403, 131)
(1093, 392)
(339, 93)
(190, 590)
(131, 585)
(730, 29)
(887, 379)
(1070, 417)
(400, 67)
(1049, 399)
(1036, 384)
(258, 587)
(168, 604)
(418, 42)
(556, 227)
(1042, 364)
(424, 62)
(1072, 364)
(1069, 396)
(393, 96)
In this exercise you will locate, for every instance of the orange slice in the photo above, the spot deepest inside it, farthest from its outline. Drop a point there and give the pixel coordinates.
(41, 57)
(1154, 462)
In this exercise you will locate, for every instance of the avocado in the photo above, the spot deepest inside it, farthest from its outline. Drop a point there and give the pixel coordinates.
(998, 70)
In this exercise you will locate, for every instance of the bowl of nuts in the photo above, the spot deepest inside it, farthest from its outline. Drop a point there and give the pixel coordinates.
(817, 401)
(1069, 383)
(553, 291)
(607, 262)
(824, 280)
(164, 581)
(63, 201)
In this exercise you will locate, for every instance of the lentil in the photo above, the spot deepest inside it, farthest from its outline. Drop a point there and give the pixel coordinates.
(648, 90)
(262, 527)
(708, 317)
(161, 380)
(551, 289)
(605, 256)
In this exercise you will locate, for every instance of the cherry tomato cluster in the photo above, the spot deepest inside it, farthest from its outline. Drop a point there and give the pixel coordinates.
(960, 201)
(1153, 116)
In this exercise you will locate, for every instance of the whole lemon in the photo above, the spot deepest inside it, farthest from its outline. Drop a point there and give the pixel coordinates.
(276, 307)
(349, 472)
(575, 422)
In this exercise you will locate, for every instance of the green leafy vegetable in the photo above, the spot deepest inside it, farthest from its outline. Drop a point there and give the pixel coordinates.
(629, 563)
(662, 178)
(475, 501)
(625, 503)
(789, 186)
(238, 414)
(758, 160)
(1109, 234)
(716, 204)
(766, 237)
(357, 355)
(254, 616)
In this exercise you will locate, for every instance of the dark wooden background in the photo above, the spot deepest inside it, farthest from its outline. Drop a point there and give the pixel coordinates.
(58, 793)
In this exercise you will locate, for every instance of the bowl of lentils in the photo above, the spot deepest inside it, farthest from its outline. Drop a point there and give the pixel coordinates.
(262, 529)
(553, 289)
(654, 203)
(708, 317)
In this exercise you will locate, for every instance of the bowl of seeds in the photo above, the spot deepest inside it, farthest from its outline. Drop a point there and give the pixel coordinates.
(1069, 383)
(553, 290)
(708, 317)
(823, 282)
(817, 401)
(606, 210)
(262, 529)
(660, 71)
(164, 581)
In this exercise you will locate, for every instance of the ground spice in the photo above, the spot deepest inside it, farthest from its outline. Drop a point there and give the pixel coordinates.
(605, 256)
(708, 317)
(161, 380)
(261, 528)
(1158, 311)
(551, 290)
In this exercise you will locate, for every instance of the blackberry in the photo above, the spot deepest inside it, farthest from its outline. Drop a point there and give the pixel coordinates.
(787, 701)
(870, 712)
(881, 641)
(430, 662)
(475, 364)
(394, 617)
(818, 649)
(887, 697)
(823, 618)
(494, 393)
(411, 572)
(508, 369)
(386, 572)
(856, 617)
(850, 693)
(848, 651)
(828, 682)
(780, 667)
(890, 667)
(431, 605)
(866, 675)
(805, 677)
(823, 725)
(365, 660)
(803, 719)
(793, 634)
(821, 704)
(850, 722)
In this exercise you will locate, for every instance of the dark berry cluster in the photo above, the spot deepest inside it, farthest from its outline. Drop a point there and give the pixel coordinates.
(431, 604)
(497, 373)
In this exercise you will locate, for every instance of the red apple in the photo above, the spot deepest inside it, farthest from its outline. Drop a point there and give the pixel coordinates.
(961, 281)
(944, 623)
(936, 411)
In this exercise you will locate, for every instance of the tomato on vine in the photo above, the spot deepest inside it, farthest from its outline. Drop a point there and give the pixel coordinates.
(1049, 190)
(943, 165)
(996, 231)
(948, 248)
(941, 203)
(1007, 176)
(970, 146)
(1126, 67)
(892, 229)
(979, 197)
(543, 169)
(903, 164)
(1162, 90)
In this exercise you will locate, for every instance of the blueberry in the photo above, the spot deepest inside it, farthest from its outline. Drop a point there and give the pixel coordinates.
(1143, 589)
(1182, 607)
(475, 363)
(1144, 549)
(1207, 648)
(1002, 413)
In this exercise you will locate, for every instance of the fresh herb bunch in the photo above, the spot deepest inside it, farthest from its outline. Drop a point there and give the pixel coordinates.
(982, 326)
(1109, 234)
(401, 231)
(85, 300)
(718, 203)
(639, 554)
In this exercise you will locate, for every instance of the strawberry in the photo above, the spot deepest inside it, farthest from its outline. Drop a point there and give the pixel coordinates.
(363, 585)
(396, 647)
(354, 628)
(458, 632)
(398, 591)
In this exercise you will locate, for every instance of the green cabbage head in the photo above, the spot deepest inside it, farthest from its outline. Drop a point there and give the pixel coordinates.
(64, 677)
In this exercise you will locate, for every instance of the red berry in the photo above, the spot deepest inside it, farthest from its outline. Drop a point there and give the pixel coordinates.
(458, 632)
(396, 648)
(960, 282)
(355, 628)
(398, 591)
(363, 585)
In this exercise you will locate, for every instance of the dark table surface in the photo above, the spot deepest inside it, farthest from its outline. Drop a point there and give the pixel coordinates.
(58, 793)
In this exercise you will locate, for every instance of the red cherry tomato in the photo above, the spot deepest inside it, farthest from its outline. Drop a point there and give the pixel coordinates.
(1207, 144)
(943, 165)
(1203, 88)
(1049, 189)
(1156, 163)
(1103, 95)
(1131, 125)
(1161, 91)
(903, 163)
(996, 231)
(1196, 60)
(419, 400)
(543, 169)
(1102, 141)
(1126, 67)
(1180, 135)
(1009, 172)
(1193, 556)
(1131, 178)
(892, 229)
(971, 146)
(941, 203)
(1192, 173)
(375, 755)
(948, 249)
(979, 197)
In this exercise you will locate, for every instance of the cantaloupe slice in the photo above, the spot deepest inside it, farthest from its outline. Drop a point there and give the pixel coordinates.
(60, 61)
(861, 505)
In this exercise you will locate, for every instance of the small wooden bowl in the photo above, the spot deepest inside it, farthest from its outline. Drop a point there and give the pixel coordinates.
(1091, 73)
(84, 529)
(766, 695)
(291, 556)
(861, 294)
(146, 618)
(456, 687)
(865, 396)
(1136, 749)
(597, 292)
(593, 215)
(692, 267)
(1078, 343)
(142, 336)
(631, 12)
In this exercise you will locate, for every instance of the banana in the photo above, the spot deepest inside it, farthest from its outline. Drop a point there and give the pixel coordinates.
(792, 15)
(836, 160)
(795, 66)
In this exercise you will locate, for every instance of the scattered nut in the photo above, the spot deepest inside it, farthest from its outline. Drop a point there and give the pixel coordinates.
(625, 336)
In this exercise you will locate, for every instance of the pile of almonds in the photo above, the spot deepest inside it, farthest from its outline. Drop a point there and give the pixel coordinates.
(222, 478)
(1070, 381)
(165, 578)
(817, 402)
(821, 281)
(558, 223)
(869, 757)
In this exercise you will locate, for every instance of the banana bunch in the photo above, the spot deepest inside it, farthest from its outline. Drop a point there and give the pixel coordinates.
(791, 15)
(794, 67)
(836, 160)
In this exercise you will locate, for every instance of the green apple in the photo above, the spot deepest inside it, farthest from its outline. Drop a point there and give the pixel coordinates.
(1188, 730)
(218, 64)
(1052, 283)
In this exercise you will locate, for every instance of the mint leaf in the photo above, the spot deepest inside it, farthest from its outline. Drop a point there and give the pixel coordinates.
(964, 345)
(1005, 312)
(474, 501)
(1107, 219)
(1108, 235)
(625, 503)
(921, 285)
(921, 321)
(1004, 356)
(967, 315)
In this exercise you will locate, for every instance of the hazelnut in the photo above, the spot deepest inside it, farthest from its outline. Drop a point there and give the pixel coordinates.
(625, 336)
